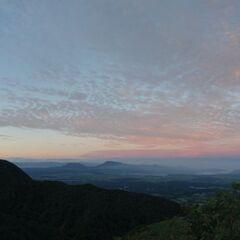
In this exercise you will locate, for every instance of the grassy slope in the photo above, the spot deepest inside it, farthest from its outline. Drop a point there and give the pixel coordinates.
(174, 229)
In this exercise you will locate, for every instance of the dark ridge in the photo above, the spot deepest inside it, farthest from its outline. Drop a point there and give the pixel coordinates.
(53, 210)
(10, 174)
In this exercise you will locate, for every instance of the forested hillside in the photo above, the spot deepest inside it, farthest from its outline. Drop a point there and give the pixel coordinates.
(53, 210)
(216, 219)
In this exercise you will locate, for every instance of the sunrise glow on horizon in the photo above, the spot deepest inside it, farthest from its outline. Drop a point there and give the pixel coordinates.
(119, 79)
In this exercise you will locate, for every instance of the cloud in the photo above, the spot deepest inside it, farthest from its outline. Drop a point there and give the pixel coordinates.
(5, 137)
(151, 73)
(78, 96)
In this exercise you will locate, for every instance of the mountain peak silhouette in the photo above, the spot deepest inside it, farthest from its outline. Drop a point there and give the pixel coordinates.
(10, 175)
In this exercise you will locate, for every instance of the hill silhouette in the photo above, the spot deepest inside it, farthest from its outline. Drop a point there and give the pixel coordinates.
(53, 210)
(12, 175)
(111, 164)
(74, 165)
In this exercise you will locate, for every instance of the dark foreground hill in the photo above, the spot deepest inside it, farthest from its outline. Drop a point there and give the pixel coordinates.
(12, 174)
(52, 210)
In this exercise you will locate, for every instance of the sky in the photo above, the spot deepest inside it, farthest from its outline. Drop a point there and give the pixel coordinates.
(152, 79)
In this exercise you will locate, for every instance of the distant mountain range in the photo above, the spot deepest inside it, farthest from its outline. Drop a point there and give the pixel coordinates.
(178, 183)
(115, 167)
(152, 169)
(51, 210)
(74, 170)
